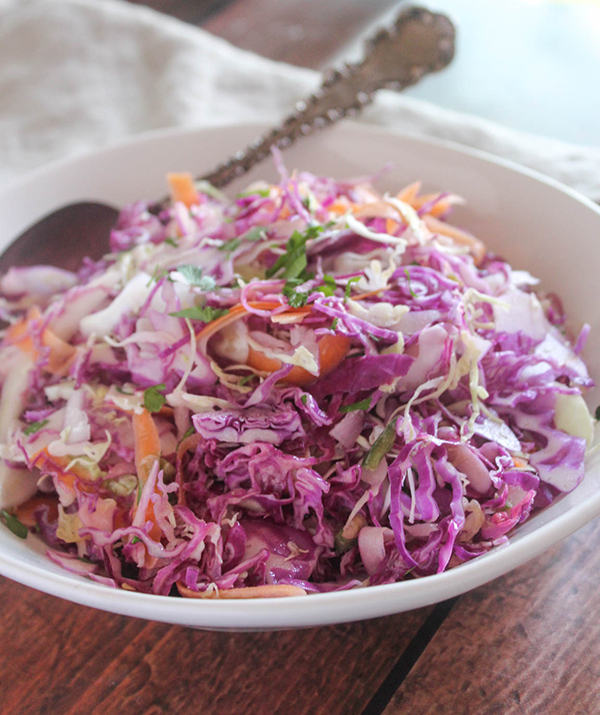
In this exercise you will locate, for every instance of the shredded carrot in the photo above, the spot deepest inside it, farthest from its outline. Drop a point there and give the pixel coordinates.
(391, 226)
(183, 189)
(457, 235)
(275, 590)
(332, 350)
(60, 353)
(440, 207)
(342, 206)
(147, 453)
(409, 193)
(25, 512)
(362, 296)
(58, 465)
(147, 440)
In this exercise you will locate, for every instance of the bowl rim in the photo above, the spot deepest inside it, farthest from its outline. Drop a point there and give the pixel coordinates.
(319, 608)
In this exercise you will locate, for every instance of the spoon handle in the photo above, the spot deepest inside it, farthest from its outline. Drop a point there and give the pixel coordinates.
(419, 42)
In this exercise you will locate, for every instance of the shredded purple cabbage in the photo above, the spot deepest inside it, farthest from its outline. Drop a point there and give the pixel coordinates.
(310, 388)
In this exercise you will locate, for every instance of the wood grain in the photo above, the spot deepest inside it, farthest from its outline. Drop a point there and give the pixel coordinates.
(295, 31)
(62, 659)
(526, 643)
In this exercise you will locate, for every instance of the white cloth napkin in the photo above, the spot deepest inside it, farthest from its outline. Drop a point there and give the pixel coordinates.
(77, 75)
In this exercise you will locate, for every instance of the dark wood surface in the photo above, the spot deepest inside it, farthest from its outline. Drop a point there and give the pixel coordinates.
(527, 643)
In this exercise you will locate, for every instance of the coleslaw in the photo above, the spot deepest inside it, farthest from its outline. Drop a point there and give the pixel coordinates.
(311, 387)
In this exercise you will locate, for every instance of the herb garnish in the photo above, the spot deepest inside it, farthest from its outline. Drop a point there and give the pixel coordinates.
(381, 446)
(293, 261)
(362, 405)
(193, 275)
(204, 313)
(34, 427)
(13, 524)
(153, 398)
(349, 286)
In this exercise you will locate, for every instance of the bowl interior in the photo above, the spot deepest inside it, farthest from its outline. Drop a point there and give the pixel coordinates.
(533, 223)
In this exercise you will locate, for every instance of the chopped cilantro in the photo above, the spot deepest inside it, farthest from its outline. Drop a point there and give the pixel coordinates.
(135, 540)
(304, 399)
(349, 286)
(335, 323)
(204, 313)
(329, 285)
(193, 275)
(293, 261)
(13, 524)
(34, 427)
(381, 446)
(171, 242)
(153, 398)
(245, 379)
(362, 405)
(296, 299)
(139, 493)
(231, 245)
(256, 233)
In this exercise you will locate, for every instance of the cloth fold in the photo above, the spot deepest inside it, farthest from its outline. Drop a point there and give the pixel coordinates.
(77, 75)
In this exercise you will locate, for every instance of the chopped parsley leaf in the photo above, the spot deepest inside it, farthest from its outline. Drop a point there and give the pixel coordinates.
(349, 286)
(204, 313)
(193, 275)
(231, 245)
(153, 398)
(329, 285)
(293, 261)
(34, 427)
(13, 524)
(362, 405)
(296, 299)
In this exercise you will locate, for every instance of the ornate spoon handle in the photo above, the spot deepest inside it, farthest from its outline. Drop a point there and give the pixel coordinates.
(419, 42)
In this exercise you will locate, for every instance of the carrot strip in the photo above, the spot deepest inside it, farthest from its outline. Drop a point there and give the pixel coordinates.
(332, 350)
(60, 353)
(183, 189)
(409, 193)
(147, 441)
(391, 226)
(25, 512)
(457, 235)
(147, 453)
(276, 590)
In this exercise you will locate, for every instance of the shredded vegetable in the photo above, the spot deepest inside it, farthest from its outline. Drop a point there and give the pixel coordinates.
(308, 388)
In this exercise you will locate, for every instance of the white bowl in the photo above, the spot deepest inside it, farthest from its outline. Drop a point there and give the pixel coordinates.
(532, 221)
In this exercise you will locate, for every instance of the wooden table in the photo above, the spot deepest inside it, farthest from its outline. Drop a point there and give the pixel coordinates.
(527, 643)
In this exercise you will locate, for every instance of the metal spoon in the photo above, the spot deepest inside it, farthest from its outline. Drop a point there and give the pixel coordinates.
(418, 43)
